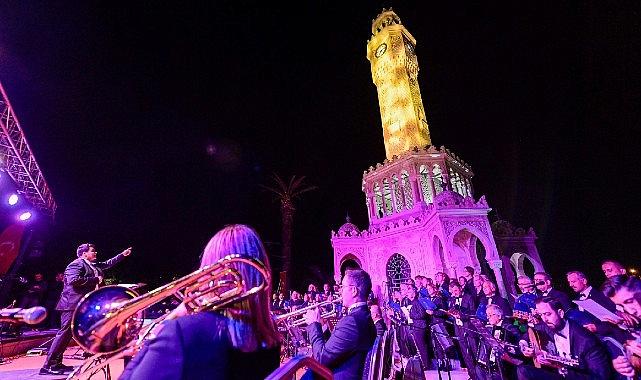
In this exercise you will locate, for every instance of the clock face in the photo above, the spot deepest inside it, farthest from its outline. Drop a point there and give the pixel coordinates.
(380, 50)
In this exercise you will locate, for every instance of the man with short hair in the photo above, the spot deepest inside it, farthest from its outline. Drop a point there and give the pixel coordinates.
(345, 351)
(625, 291)
(377, 318)
(461, 307)
(543, 282)
(502, 331)
(612, 268)
(82, 276)
(492, 298)
(469, 288)
(564, 338)
(579, 283)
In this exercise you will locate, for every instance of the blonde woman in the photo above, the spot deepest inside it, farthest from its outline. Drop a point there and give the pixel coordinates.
(238, 342)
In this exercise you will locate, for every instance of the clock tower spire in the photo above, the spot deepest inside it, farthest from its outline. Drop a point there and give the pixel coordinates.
(394, 72)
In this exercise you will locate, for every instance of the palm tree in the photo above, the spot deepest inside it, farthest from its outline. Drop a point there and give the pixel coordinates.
(286, 193)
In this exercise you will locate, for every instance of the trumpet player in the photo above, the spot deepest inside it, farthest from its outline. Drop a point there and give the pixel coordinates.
(81, 276)
(237, 342)
(345, 351)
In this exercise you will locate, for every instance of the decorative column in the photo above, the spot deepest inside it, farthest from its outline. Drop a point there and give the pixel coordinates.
(416, 193)
(371, 206)
(496, 266)
(392, 188)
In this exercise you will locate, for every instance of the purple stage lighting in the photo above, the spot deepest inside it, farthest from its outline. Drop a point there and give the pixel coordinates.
(25, 216)
(13, 199)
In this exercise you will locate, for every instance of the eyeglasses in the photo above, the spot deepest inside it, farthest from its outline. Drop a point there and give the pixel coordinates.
(341, 287)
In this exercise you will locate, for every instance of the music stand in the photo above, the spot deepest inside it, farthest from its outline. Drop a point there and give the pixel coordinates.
(440, 355)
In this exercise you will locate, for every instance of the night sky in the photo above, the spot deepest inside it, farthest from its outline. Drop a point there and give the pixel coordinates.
(155, 125)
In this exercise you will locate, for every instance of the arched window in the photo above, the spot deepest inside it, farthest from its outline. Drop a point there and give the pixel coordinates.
(398, 194)
(378, 199)
(407, 190)
(424, 177)
(398, 269)
(455, 181)
(387, 197)
(437, 177)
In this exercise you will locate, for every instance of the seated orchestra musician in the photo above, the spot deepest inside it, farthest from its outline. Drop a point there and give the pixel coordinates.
(625, 291)
(495, 363)
(237, 342)
(558, 338)
(345, 351)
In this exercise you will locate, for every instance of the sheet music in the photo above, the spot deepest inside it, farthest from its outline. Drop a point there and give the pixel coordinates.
(597, 310)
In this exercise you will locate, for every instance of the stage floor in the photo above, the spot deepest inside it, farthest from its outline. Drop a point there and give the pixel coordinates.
(27, 367)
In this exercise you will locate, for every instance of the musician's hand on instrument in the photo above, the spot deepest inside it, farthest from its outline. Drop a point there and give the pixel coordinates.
(429, 311)
(590, 327)
(126, 252)
(541, 358)
(622, 365)
(628, 319)
(634, 346)
(313, 315)
(526, 349)
(100, 279)
(614, 321)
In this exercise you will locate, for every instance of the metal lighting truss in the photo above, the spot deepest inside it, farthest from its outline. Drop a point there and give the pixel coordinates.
(19, 163)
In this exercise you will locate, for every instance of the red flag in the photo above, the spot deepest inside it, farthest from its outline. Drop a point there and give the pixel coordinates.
(10, 246)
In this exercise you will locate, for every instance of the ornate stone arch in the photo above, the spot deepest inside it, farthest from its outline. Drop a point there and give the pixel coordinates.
(518, 258)
(438, 250)
(476, 228)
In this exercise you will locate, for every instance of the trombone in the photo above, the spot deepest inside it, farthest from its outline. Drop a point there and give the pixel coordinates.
(108, 320)
(296, 317)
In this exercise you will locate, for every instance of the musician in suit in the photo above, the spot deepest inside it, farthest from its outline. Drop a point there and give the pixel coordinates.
(345, 351)
(377, 318)
(579, 283)
(281, 303)
(502, 331)
(238, 341)
(81, 276)
(543, 282)
(419, 327)
(469, 288)
(612, 268)
(492, 298)
(625, 291)
(461, 307)
(566, 339)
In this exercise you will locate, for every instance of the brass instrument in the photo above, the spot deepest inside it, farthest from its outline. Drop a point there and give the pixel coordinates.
(296, 318)
(108, 320)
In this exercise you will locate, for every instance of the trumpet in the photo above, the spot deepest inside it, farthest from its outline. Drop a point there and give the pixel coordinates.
(296, 318)
(108, 320)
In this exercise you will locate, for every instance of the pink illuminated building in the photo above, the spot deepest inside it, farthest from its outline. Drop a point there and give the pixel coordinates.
(424, 217)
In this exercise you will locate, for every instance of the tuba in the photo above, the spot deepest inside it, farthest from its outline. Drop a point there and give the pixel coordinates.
(109, 321)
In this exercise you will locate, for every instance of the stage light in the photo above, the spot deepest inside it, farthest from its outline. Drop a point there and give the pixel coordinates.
(25, 216)
(13, 199)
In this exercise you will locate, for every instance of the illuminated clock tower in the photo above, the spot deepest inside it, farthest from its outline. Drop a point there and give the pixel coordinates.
(423, 215)
(394, 72)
